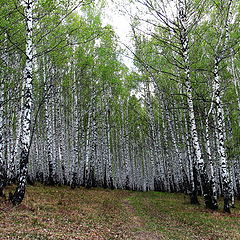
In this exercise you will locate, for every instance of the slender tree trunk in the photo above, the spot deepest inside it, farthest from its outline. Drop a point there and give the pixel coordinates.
(221, 139)
(209, 200)
(88, 144)
(3, 176)
(210, 158)
(27, 108)
(75, 134)
(192, 175)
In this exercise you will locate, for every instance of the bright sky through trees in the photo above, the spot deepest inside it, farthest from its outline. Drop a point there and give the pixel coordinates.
(139, 95)
(116, 15)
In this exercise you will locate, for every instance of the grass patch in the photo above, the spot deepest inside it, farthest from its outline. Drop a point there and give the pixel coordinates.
(172, 215)
(62, 213)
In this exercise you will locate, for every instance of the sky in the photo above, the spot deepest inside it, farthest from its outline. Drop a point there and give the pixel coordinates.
(120, 23)
(114, 15)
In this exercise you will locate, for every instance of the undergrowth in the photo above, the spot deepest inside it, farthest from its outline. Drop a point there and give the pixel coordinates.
(62, 213)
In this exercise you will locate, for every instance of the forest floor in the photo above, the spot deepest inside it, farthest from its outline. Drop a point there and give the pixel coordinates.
(101, 214)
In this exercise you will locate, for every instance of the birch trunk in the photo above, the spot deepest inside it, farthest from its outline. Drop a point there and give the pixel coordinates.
(76, 127)
(209, 153)
(2, 167)
(209, 200)
(3, 174)
(221, 139)
(27, 108)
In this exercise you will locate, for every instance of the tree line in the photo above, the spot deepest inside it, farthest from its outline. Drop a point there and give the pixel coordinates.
(73, 113)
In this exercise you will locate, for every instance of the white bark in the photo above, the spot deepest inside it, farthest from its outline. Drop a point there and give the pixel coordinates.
(209, 153)
(185, 49)
(221, 137)
(27, 107)
(2, 167)
(183, 21)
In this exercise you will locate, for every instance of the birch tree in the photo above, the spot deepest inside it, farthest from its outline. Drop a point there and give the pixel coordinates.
(25, 139)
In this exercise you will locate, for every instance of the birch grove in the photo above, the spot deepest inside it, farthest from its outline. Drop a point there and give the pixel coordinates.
(73, 113)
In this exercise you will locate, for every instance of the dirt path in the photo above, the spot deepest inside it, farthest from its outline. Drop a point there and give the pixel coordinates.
(138, 226)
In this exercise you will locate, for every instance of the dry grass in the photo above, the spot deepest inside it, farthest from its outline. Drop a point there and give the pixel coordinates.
(62, 213)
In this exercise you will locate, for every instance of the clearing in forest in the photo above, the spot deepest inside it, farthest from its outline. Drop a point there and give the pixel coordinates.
(62, 213)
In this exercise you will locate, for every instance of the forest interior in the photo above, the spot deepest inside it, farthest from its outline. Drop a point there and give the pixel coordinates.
(110, 137)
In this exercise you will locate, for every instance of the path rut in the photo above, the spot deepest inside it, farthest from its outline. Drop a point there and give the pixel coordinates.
(138, 226)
